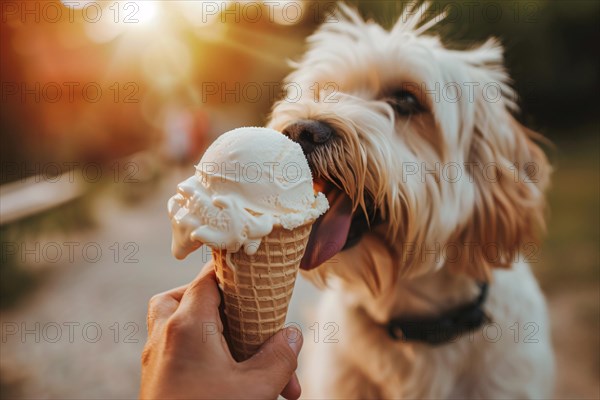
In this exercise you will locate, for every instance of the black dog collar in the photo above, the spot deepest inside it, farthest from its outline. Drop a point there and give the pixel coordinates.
(443, 328)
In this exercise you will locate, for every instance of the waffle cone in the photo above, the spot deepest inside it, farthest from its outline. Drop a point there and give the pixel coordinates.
(257, 288)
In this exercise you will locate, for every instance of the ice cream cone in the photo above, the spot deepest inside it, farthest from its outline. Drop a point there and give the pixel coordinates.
(257, 288)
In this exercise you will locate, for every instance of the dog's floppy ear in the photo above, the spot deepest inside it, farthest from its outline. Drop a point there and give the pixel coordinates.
(510, 173)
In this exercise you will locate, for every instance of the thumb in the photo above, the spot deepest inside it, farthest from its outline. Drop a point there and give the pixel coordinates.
(277, 359)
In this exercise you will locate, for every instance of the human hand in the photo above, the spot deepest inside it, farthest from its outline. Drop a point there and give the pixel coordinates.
(186, 355)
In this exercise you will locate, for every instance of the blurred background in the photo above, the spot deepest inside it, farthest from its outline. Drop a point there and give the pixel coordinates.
(106, 106)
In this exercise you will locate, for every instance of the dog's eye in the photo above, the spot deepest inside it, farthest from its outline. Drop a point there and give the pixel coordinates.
(405, 103)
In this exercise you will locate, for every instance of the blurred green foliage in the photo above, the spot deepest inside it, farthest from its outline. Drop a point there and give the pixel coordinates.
(570, 255)
(17, 280)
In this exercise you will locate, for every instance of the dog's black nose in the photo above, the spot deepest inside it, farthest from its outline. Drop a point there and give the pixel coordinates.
(309, 133)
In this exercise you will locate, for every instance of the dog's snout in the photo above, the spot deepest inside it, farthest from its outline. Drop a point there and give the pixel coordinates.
(309, 134)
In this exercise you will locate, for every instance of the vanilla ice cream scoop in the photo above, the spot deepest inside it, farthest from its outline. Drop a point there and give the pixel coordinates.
(249, 180)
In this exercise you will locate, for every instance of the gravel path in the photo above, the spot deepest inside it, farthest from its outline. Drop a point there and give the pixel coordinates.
(90, 316)
(81, 333)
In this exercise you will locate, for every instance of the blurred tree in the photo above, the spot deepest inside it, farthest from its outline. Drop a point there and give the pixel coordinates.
(549, 50)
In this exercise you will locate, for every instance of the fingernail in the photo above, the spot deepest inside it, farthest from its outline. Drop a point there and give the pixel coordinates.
(294, 339)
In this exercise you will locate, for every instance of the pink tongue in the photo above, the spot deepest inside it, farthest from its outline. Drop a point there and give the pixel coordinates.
(329, 233)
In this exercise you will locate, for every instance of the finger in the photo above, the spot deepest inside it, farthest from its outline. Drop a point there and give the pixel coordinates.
(277, 359)
(292, 390)
(177, 292)
(209, 266)
(162, 306)
(201, 298)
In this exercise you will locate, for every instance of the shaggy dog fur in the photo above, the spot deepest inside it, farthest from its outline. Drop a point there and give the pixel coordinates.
(424, 135)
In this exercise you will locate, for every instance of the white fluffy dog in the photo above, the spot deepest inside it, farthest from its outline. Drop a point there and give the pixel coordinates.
(437, 196)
